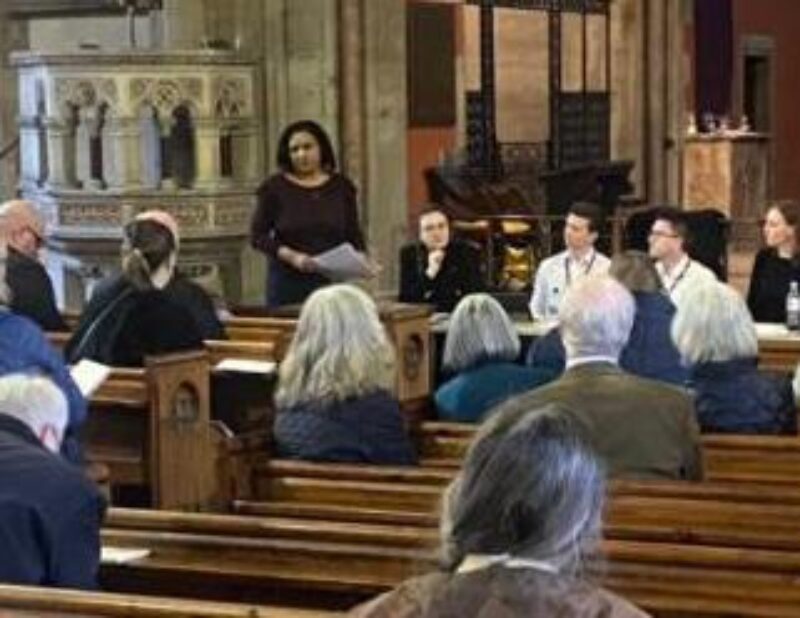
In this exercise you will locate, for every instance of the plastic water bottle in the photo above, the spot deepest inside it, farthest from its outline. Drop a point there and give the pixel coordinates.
(793, 307)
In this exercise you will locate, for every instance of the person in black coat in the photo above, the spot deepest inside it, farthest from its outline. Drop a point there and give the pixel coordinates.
(777, 264)
(50, 513)
(148, 309)
(438, 270)
(32, 292)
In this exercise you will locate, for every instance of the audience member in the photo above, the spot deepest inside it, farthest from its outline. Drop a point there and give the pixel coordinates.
(50, 514)
(334, 395)
(24, 349)
(481, 350)
(579, 260)
(716, 336)
(518, 523)
(438, 269)
(31, 289)
(641, 427)
(650, 352)
(148, 309)
(303, 210)
(669, 240)
(777, 264)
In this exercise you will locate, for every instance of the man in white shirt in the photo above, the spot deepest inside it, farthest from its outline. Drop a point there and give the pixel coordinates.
(580, 260)
(668, 239)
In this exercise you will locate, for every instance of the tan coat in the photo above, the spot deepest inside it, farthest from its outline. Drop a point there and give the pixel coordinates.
(640, 427)
(497, 592)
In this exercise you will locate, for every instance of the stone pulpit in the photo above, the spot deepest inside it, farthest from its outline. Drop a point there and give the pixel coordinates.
(729, 172)
(105, 135)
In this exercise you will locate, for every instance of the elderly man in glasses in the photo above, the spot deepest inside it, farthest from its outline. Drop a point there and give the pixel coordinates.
(32, 294)
(668, 240)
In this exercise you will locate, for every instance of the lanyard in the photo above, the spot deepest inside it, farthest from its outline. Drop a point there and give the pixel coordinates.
(586, 271)
(680, 276)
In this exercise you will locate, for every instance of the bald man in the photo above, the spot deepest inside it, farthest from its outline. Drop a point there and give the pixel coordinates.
(31, 289)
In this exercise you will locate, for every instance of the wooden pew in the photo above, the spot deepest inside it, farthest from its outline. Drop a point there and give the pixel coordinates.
(728, 458)
(150, 427)
(29, 601)
(665, 578)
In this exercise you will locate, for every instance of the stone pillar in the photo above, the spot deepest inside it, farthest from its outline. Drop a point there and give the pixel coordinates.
(60, 154)
(121, 153)
(385, 111)
(31, 171)
(245, 142)
(301, 67)
(351, 47)
(208, 168)
(13, 35)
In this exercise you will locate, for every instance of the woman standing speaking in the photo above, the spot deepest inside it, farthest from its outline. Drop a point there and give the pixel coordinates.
(305, 209)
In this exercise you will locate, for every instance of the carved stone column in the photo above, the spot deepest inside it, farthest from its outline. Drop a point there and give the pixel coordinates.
(60, 154)
(351, 47)
(122, 161)
(207, 155)
(31, 171)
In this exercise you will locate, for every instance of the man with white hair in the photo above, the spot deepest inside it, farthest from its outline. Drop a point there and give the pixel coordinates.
(31, 288)
(50, 514)
(642, 428)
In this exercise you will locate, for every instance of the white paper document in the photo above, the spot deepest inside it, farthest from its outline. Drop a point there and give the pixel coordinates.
(121, 555)
(343, 262)
(244, 365)
(89, 375)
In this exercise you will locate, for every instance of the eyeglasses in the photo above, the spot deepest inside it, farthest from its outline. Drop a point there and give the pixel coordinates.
(660, 234)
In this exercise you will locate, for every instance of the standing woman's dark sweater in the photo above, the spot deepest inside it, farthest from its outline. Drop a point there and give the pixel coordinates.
(307, 219)
(769, 285)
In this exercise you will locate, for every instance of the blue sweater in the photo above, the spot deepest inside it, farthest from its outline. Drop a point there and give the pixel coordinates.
(468, 396)
(734, 397)
(368, 429)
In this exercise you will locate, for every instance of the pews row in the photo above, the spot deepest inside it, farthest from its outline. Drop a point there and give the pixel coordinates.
(334, 564)
(31, 602)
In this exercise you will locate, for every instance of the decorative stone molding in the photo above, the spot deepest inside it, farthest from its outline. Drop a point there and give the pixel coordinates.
(110, 134)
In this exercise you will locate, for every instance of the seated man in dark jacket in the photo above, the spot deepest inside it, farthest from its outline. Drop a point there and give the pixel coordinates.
(31, 289)
(50, 514)
(438, 270)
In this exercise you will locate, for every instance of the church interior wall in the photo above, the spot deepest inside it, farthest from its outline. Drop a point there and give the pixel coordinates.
(779, 22)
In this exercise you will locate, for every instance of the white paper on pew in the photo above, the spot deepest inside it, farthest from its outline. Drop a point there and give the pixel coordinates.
(245, 365)
(343, 262)
(122, 555)
(89, 375)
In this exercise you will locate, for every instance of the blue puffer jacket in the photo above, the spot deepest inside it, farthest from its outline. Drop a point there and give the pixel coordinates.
(24, 348)
(734, 397)
(368, 429)
(649, 352)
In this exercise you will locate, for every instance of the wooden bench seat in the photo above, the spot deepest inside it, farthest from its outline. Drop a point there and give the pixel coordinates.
(663, 578)
(29, 601)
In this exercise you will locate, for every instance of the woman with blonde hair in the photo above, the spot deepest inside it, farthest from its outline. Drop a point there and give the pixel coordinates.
(716, 337)
(334, 396)
(147, 309)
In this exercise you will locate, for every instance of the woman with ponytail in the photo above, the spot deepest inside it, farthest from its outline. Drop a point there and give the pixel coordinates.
(148, 308)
